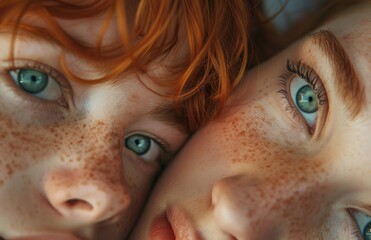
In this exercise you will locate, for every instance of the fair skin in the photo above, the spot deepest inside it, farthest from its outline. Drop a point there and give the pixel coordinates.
(76, 160)
(273, 166)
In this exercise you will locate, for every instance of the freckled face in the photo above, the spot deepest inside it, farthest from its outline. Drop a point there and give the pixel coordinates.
(286, 159)
(75, 159)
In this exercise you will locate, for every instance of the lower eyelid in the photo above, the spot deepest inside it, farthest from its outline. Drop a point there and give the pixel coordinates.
(149, 168)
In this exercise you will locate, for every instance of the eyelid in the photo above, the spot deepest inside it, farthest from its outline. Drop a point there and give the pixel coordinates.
(359, 206)
(67, 93)
(309, 75)
(356, 232)
(352, 211)
(163, 144)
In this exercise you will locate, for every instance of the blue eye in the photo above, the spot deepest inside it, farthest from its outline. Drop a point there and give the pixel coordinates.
(363, 222)
(144, 146)
(139, 144)
(305, 99)
(305, 93)
(32, 81)
(37, 83)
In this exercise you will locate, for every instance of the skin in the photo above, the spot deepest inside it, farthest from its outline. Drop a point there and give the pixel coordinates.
(65, 170)
(259, 171)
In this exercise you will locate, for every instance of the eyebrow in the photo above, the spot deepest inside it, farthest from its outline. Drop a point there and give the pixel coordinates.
(348, 83)
(167, 114)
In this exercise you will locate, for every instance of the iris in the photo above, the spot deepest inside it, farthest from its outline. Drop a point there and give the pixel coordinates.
(139, 144)
(307, 99)
(32, 81)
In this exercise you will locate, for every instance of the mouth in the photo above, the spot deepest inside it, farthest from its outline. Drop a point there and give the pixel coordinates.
(173, 224)
(45, 237)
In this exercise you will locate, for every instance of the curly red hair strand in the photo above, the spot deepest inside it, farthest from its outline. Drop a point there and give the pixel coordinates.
(215, 33)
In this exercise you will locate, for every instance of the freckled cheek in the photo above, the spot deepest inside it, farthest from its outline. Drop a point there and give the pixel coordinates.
(277, 177)
(297, 194)
(21, 146)
(245, 142)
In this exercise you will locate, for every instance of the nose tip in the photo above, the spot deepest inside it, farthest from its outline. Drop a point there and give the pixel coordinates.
(85, 202)
(226, 212)
(241, 211)
(232, 208)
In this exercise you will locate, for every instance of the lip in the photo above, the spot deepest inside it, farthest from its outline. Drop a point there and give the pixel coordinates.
(173, 224)
(53, 236)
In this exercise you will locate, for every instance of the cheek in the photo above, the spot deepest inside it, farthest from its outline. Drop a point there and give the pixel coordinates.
(248, 139)
(89, 147)
(278, 177)
(20, 146)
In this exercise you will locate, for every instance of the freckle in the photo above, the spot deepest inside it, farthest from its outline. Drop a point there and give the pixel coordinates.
(250, 213)
(9, 124)
(242, 133)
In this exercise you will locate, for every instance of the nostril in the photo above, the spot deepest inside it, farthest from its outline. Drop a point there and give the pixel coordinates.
(78, 204)
(80, 200)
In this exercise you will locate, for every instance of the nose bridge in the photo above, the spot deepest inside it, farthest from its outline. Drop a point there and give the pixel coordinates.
(95, 149)
(247, 207)
(88, 184)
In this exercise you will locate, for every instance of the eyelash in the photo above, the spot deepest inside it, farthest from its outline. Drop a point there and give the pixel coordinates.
(356, 233)
(61, 80)
(306, 73)
(165, 148)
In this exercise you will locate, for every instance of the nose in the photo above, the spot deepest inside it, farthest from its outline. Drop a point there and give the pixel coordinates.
(78, 196)
(238, 213)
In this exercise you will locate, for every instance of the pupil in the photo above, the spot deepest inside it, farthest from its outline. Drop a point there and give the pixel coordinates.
(33, 78)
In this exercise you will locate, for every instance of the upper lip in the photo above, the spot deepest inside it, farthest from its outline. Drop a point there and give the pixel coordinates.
(181, 224)
(48, 236)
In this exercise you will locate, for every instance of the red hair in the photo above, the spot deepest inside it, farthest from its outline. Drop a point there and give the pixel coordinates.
(215, 33)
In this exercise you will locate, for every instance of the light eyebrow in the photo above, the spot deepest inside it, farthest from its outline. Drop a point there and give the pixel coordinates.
(348, 83)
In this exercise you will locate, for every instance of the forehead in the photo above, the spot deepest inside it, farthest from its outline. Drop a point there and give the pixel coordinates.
(87, 30)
